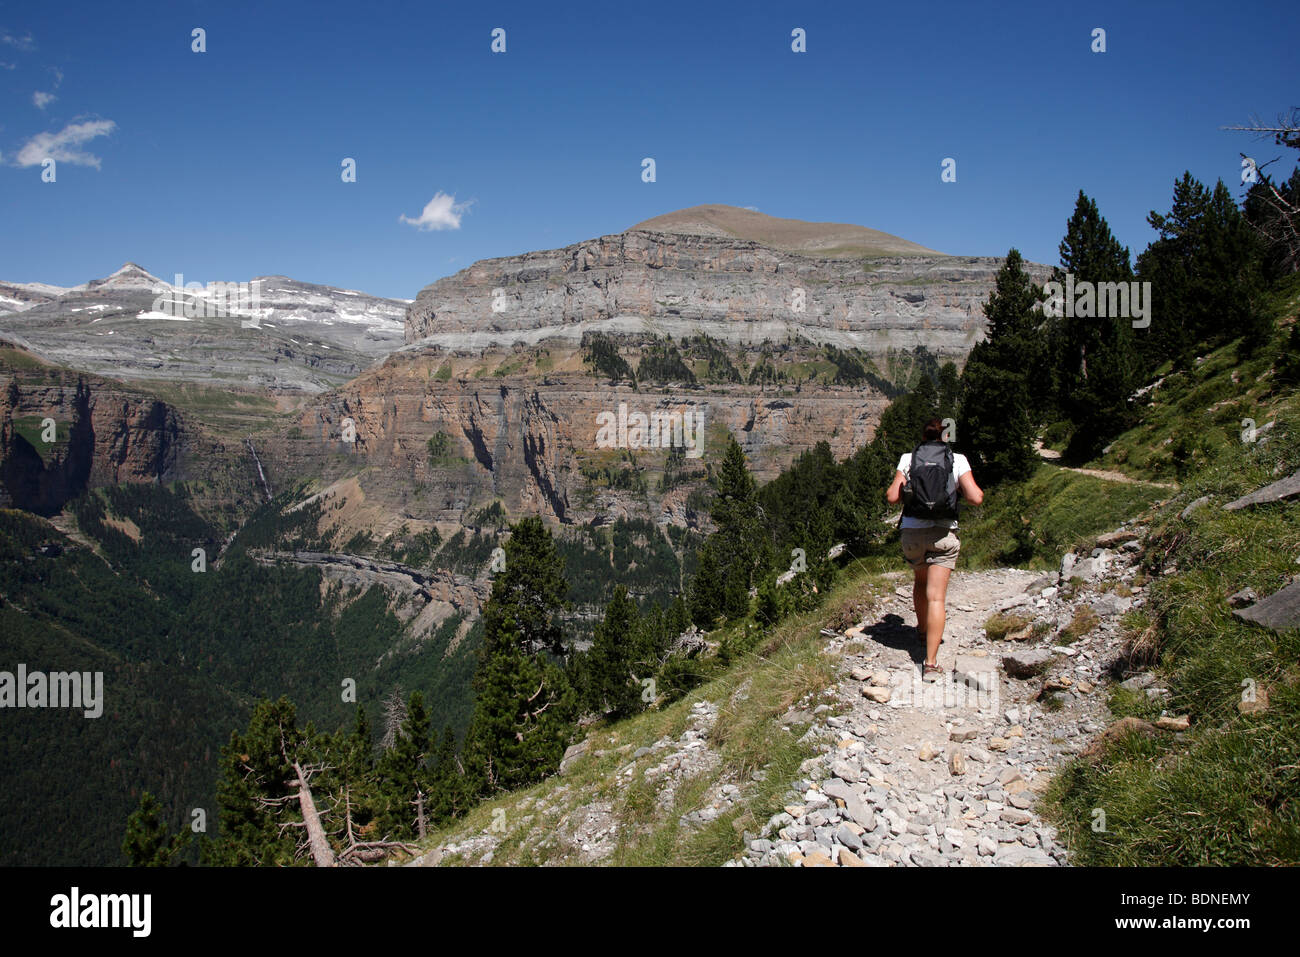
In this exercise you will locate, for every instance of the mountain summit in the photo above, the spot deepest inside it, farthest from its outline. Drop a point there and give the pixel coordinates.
(129, 277)
(823, 240)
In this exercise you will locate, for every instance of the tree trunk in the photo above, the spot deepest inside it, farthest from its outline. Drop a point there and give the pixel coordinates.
(321, 852)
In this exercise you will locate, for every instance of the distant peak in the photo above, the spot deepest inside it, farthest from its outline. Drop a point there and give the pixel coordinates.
(831, 240)
(129, 275)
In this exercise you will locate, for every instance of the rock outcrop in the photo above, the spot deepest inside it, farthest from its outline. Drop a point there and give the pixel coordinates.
(735, 290)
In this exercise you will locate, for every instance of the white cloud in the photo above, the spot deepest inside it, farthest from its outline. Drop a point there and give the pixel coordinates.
(61, 146)
(42, 100)
(441, 212)
(22, 43)
(8, 66)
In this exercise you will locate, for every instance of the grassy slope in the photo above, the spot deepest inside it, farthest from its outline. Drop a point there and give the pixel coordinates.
(789, 667)
(1224, 792)
(1034, 525)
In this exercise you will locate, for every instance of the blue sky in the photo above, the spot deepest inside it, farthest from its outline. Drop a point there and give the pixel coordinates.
(226, 164)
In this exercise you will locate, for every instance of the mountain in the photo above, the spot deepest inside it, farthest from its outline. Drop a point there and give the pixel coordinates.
(507, 367)
(735, 275)
(271, 333)
(824, 240)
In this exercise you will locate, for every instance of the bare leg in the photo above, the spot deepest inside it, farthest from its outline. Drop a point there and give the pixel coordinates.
(936, 593)
(918, 597)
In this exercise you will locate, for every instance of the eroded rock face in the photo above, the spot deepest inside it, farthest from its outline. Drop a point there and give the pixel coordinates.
(734, 290)
(102, 436)
(526, 442)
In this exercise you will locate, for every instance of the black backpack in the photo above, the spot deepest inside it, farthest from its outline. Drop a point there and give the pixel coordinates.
(931, 489)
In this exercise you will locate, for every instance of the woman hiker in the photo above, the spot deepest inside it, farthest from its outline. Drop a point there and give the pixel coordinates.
(929, 529)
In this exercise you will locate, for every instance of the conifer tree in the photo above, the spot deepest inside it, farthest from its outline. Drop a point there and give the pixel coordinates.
(743, 551)
(524, 705)
(615, 690)
(402, 773)
(1206, 270)
(148, 843)
(1097, 361)
(706, 591)
(530, 590)
(254, 794)
(523, 715)
(995, 429)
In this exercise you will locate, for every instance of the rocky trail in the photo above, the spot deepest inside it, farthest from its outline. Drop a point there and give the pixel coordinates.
(902, 772)
(949, 773)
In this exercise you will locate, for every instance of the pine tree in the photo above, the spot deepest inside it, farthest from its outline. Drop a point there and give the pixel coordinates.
(356, 772)
(743, 551)
(615, 690)
(524, 705)
(1207, 275)
(254, 794)
(402, 773)
(995, 429)
(1098, 365)
(949, 387)
(148, 843)
(530, 590)
(523, 715)
(448, 795)
(706, 591)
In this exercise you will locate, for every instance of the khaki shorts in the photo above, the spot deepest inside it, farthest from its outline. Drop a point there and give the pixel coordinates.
(930, 546)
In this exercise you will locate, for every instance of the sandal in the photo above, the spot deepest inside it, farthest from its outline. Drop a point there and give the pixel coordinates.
(930, 672)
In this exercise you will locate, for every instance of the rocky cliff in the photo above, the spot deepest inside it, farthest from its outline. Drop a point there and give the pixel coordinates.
(738, 290)
(63, 432)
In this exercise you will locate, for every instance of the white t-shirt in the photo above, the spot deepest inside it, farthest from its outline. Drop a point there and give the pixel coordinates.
(960, 466)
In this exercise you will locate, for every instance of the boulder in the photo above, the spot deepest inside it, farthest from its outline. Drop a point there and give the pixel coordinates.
(1108, 606)
(1015, 601)
(1138, 682)
(1116, 538)
(1279, 611)
(1039, 585)
(956, 763)
(1278, 491)
(1242, 598)
(1067, 565)
(1028, 663)
(571, 754)
(1017, 855)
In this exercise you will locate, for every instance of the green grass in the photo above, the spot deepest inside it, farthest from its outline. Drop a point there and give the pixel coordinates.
(1223, 793)
(1195, 416)
(228, 411)
(17, 360)
(31, 428)
(1064, 509)
(1083, 622)
(999, 626)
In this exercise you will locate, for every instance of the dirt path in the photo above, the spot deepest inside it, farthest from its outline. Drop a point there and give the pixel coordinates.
(1051, 455)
